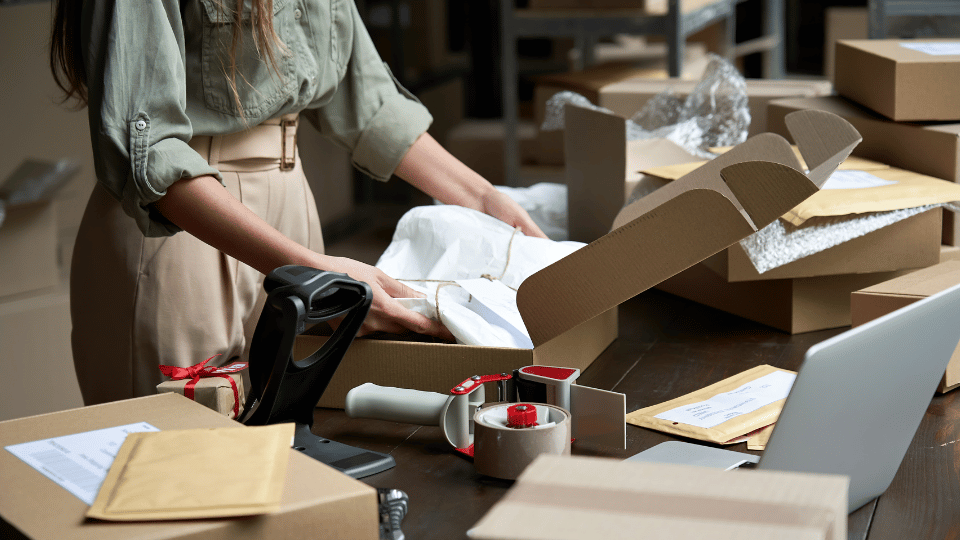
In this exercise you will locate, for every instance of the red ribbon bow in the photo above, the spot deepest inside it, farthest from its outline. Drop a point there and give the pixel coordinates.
(201, 371)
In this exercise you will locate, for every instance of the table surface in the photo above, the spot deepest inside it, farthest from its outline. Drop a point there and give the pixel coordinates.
(668, 347)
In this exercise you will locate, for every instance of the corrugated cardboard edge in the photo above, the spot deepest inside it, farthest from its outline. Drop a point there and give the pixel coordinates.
(653, 230)
(878, 300)
(720, 434)
(583, 485)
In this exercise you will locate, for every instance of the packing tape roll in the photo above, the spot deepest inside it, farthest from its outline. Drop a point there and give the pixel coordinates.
(504, 452)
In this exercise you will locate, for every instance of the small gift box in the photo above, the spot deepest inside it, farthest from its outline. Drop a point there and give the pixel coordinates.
(220, 389)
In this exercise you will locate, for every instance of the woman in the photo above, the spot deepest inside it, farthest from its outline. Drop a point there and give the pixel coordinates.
(193, 108)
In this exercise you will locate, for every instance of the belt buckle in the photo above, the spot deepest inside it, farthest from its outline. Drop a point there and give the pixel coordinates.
(288, 164)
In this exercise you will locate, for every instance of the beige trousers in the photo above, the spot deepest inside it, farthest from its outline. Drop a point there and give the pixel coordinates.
(140, 302)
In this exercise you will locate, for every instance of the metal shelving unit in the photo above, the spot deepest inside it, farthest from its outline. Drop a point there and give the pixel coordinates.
(879, 11)
(683, 18)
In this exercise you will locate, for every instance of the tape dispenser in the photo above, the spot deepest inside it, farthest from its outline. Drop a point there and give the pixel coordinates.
(539, 409)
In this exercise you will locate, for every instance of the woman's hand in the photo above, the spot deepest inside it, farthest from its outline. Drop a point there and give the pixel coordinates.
(386, 314)
(502, 207)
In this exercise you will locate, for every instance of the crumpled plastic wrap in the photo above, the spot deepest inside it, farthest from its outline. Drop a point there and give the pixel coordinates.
(780, 243)
(446, 243)
(715, 114)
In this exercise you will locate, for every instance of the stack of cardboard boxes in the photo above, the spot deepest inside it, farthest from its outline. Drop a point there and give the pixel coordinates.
(902, 96)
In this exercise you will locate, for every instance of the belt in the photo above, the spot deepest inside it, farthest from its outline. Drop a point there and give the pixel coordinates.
(275, 139)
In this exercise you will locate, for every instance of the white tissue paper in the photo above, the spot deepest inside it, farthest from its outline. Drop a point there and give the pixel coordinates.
(547, 205)
(453, 248)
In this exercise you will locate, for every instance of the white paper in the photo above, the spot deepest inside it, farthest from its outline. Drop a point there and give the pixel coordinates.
(501, 301)
(78, 463)
(743, 400)
(943, 48)
(855, 180)
(436, 245)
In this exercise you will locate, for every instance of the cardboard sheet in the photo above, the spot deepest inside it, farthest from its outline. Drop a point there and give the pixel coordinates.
(723, 411)
(233, 472)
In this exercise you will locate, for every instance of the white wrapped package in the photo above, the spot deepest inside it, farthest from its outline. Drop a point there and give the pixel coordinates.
(547, 205)
(471, 264)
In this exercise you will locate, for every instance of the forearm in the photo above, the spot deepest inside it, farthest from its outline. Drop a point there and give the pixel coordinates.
(204, 208)
(434, 171)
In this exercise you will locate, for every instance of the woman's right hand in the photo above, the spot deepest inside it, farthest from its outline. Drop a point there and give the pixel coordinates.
(386, 314)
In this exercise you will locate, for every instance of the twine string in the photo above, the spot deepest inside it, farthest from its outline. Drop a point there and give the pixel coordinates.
(445, 282)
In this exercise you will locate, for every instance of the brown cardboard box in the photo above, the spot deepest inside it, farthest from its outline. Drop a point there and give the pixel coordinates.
(794, 305)
(932, 149)
(35, 355)
(876, 301)
(911, 243)
(603, 168)
(841, 23)
(569, 307)
(898, 82)
(578, 498)
(28, 244)
(317, 501)
(221, 390)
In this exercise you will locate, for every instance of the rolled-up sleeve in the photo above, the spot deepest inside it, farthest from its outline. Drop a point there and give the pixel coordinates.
(136, 79)
(370, 113)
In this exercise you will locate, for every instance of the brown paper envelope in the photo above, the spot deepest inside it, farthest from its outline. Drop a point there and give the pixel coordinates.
(910, 191)
(196, 473)
(724, 433)
(673, 172)
(760, 439)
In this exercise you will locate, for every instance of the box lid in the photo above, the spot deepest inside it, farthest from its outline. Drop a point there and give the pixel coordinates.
(920, 284)
(41, 509)
(568, 497)
(685, 222)
(895, 49)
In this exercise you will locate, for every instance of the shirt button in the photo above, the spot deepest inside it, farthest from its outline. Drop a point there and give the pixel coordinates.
(141, 125)
(297, 14)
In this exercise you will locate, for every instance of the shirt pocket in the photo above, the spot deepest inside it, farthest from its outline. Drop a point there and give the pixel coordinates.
(260, 88)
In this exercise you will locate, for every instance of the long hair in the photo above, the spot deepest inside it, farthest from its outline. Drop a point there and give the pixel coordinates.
(66, 62)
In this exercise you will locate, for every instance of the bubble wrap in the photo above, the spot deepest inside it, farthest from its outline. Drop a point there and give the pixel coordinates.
(716, 113)
(780, 243)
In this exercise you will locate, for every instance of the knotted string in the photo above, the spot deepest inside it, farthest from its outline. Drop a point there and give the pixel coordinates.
(445, 282)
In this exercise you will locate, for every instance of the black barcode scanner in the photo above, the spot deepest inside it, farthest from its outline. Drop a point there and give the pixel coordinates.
(287, 390)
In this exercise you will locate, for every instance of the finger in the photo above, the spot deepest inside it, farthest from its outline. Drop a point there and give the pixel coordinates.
(397, 289)
(418, 323)
(530, 228)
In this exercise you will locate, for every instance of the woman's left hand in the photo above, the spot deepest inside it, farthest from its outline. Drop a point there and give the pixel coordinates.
(502, 207)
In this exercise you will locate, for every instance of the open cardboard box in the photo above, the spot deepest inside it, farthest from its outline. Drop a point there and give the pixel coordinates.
(932, 149)
(317, 501)
(570, 307)
(876, 301)
(603, 168)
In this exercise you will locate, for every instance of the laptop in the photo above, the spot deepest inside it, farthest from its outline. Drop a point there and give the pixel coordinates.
(857, 401)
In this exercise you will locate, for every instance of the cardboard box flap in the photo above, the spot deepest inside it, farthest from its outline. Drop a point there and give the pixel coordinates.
(825, 140)
(683, 223)
(920, 284)
(763, 200)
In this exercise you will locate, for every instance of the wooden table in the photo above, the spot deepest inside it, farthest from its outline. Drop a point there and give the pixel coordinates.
(667, 347)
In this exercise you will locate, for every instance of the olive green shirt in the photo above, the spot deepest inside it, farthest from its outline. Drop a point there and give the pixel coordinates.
(155, 76)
